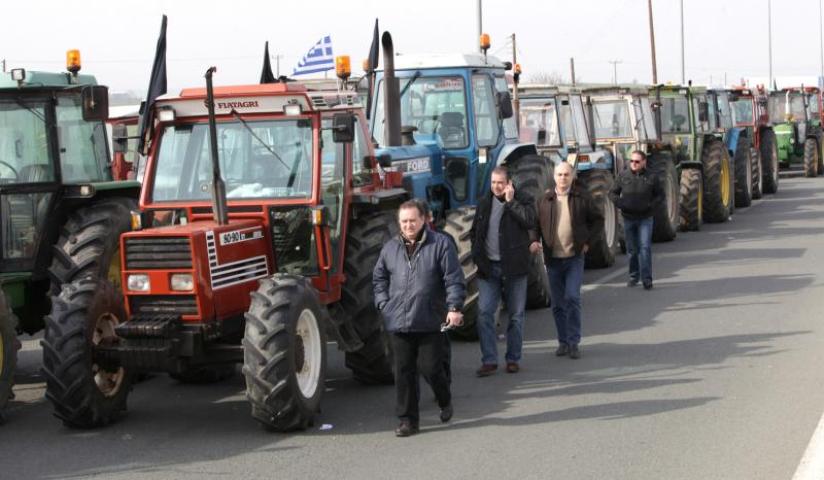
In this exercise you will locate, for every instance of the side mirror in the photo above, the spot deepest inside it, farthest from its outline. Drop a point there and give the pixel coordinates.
(95, 103)
(385, 160)
(703, 111)
(120, 140)
(504, 105)
(343, 128)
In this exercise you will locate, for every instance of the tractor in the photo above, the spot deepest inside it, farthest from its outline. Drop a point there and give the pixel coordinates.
(752, 131)
(796, 114)
(262, 213)
(63, 203)
(555, 119)
(689, 123)
(623, 120)
(446, 121)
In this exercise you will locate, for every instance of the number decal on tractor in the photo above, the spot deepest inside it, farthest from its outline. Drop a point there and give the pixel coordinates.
(237, 236)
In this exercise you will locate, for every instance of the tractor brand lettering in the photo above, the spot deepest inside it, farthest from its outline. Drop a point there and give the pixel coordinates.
(230, 105)
(237, 236)
(413, 165)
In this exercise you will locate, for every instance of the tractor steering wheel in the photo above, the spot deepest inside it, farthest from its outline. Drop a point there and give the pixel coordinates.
(10, 167)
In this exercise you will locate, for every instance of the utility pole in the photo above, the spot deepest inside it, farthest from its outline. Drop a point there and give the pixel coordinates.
(615, 70)
(683, 75)
(4, 65)
(277, 63)
(480, 25)
(516, 104)
(769, 39)
(821, 44)
(572, 70)
(652, 46)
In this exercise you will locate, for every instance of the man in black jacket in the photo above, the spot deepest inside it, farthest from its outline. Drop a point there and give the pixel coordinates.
(637, 193)
(500, 249)
(418, 285)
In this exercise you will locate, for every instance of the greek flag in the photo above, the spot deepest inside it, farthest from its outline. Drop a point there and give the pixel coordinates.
(319, 58)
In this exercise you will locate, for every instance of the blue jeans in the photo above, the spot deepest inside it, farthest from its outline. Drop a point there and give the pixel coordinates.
(565, 278)
(638, 235)
(489, 291)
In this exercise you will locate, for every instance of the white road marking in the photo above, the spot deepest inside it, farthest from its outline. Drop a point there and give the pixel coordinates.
(812, 463)
(605, 279)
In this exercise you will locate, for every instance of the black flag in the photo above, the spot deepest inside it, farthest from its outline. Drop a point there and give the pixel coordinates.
(266, 76)
(370, 68)
(157, 87)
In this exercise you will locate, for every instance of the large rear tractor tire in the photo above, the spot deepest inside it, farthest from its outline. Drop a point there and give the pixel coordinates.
(718, 182)
(84, 393)
(743, 173)
(757, 174)
(8, 352)
(769, 160)
(810, 158)
(692, 205)
(89, 243)
(372, 364)
(284, 353)
(458, 223)
(665, 219)
(602, 251)
(532, 174)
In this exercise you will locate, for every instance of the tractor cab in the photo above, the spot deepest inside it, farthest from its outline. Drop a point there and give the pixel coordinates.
(796, 113)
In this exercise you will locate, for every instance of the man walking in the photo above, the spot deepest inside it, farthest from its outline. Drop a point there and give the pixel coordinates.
(418, 285)
(638, 193)
(568, 221)
(500, 249)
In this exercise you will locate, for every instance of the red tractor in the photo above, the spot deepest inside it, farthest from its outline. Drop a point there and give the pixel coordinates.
(750, 112)
(255, 258)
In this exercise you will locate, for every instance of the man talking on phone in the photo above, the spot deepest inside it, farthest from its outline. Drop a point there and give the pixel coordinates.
(500, 248)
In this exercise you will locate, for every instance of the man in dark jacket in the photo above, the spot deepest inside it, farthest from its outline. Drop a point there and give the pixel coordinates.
(569, 221)
(638, 193)
(500, 249)
(418, 285)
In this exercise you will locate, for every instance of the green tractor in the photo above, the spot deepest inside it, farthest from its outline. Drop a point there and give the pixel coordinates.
(61, 211)
(692, 125)
(796, 115)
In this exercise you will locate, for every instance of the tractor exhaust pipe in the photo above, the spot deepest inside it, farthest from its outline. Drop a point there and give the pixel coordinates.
(220, 212)
(392, 96)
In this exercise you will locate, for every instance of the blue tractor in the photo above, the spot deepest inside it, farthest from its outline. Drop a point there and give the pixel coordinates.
(446, 121)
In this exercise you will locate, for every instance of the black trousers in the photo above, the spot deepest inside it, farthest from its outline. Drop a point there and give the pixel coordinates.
(414, 351)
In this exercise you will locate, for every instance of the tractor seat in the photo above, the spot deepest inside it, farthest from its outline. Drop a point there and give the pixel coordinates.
(35, 173)
(451, 129)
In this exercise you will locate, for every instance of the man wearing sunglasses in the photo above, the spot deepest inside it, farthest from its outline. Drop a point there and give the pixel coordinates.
(637, 193)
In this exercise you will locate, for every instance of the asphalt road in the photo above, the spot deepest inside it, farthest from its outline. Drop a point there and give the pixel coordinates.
(714, 374)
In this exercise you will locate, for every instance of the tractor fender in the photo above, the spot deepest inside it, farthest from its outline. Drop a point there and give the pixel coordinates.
(514, 150)
(598, 160)
(732, 139)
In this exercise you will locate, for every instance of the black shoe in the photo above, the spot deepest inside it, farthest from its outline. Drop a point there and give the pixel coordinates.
(406, 428)
(446, 413)
(647, 285)
(562, 350)
(632, 282)
(574, 352)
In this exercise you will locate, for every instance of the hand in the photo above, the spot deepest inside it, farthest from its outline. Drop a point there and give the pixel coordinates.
(454, 319)
(534, 248)
(586, 248)
(509, 191)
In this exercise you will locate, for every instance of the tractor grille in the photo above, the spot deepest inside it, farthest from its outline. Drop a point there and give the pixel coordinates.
(163, 304)
(158, 253)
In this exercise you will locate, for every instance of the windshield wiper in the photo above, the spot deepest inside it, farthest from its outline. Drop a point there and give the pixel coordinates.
(34, 112)
(415, 76)
(252, 133)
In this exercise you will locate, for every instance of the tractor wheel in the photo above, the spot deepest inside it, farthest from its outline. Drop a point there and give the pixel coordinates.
(718, 198)
(284, 353)
(810, 158)
(89, 243)
(757, 174)
(743, 165)
(769, 162)
(84, 394)
(372, 364)
(458, 223)
(601, 252)
(820, 154)
(692, 205)
(8, 351)
(665, 220)
(204, 374)
(532, 174)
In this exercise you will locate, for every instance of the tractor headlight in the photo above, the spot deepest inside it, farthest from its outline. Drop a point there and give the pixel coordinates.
(138, 282)
(181, 282)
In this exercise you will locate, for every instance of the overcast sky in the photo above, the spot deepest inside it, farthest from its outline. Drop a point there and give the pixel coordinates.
(117, 38)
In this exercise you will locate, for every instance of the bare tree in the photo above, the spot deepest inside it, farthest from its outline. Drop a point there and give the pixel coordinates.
(549, 78)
